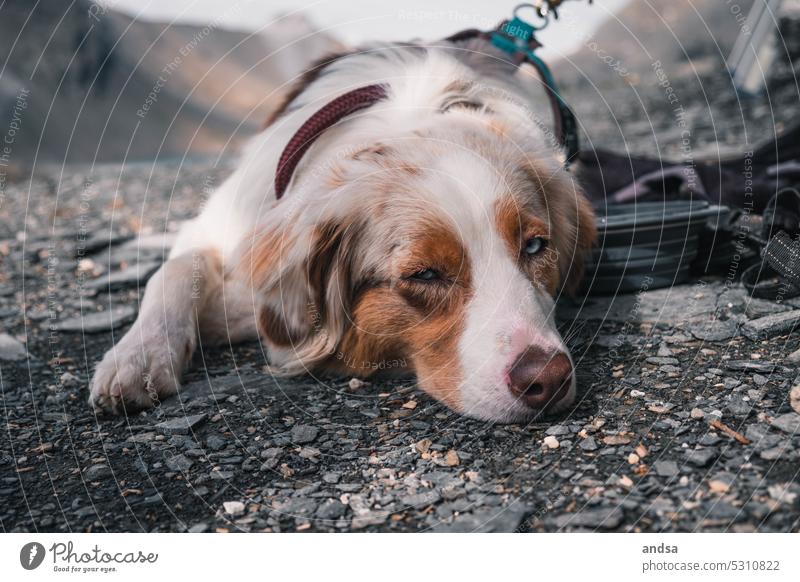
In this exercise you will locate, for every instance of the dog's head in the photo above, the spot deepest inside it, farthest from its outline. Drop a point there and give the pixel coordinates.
(441, 250)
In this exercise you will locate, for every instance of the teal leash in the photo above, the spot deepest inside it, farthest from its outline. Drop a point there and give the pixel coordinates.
(517, 38)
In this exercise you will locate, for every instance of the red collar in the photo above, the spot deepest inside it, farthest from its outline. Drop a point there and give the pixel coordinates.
(315, 125)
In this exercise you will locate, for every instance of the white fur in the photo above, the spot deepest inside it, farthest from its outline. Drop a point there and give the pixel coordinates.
(506, 313)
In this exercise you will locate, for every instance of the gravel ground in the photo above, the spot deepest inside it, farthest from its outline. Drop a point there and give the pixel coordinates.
(687, 418)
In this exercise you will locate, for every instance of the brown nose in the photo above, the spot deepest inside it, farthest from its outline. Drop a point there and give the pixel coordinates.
(539, 378)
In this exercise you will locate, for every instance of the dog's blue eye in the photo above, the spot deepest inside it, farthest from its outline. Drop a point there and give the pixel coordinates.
(535, 245)
(425, 275)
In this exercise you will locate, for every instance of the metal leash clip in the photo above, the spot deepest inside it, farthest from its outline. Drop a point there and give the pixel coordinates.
(517, 37)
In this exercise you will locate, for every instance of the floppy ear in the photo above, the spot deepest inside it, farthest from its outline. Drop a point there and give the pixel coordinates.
(583, 237)
(301, 275)
(572, 222)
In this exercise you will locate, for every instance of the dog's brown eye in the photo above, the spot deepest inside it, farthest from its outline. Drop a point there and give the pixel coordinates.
(535, 245)
(426, 275)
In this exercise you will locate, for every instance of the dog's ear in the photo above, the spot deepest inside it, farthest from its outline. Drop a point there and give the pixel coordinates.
(583, 236)
(302, 279)
(571, 218)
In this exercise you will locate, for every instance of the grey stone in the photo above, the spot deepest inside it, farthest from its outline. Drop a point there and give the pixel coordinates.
(368, 518)
(270, 464)
(709, 439)
(676, 304)
(215, 388)
(331, 509)
(757, 308)
(760, 380)
(722, 510)
(761, 436)
(96, 472)
(180, 463)
(700, 457)
(557, 430)
(161, 242)
(271, 453)
(618, 340)
(486, 520)
(216, 442)
(666, 468)
(298, 507)
(771, 325)
(602, 518)
(715, 331)
(750, 366)
(11, 350)
(220, 475)
(102, 240)
(789, 422)
(420, 500)
(134, 276)
(304, 433)
(331, 478)
(662, 361)
(181, 425)
(664, 351)
(738, 406)
(775, 453)
(98, 321)
(588, 444)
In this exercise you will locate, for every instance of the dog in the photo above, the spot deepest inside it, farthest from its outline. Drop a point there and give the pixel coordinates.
(433, 227)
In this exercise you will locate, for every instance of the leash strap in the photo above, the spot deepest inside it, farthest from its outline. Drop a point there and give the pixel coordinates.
(517, 38)
(777, 277)
(328, 116)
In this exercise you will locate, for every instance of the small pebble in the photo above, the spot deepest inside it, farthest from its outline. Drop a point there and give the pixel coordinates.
(233, 508)
(697, 414)
(551, 442)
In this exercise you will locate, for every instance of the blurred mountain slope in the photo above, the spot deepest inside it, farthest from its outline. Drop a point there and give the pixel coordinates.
(103, 86)
(672, 33)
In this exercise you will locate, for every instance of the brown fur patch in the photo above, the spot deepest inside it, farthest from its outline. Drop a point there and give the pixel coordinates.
(412, 321)
(272, 325)
(572, 230)
(517, 223)
(498, 127)
(387, 329)
(586, 237)
(337, 177)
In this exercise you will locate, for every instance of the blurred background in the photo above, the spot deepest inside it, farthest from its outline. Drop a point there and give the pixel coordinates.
(134, 80)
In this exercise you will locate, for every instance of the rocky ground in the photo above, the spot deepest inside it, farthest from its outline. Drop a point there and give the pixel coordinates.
(684, 421)
(688, 416)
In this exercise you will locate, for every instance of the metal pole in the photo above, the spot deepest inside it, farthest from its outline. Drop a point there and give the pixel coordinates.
(754, 49)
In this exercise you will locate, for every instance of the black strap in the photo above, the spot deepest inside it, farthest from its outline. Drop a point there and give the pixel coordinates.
(777, 277)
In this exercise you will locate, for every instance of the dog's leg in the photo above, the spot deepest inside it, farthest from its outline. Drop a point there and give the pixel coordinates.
(186, 297)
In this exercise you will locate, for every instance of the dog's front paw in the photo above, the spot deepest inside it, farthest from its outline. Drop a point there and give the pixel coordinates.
(135, 374)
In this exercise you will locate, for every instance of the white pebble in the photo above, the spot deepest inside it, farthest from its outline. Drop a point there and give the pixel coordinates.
(551, 442)
(697, 414)
(233, 508)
